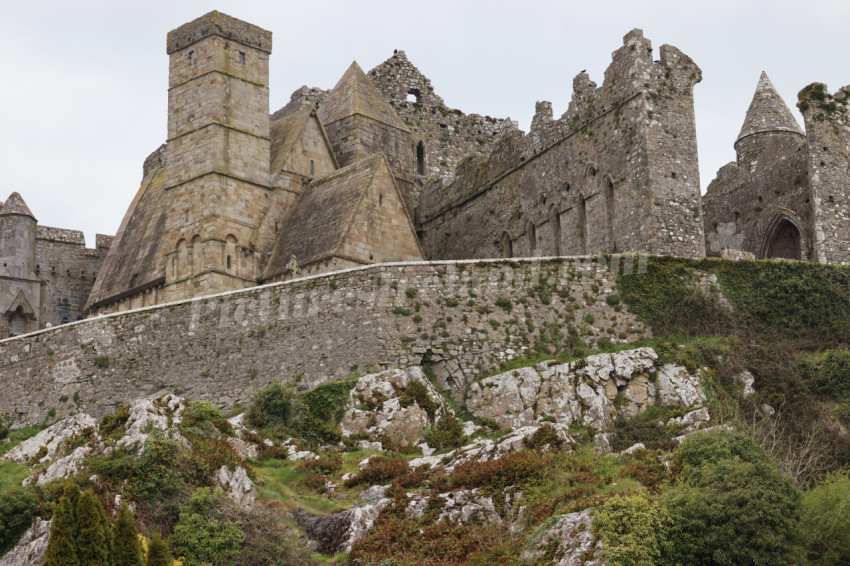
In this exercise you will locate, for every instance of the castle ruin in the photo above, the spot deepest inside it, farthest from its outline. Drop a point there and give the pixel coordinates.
(379, 169)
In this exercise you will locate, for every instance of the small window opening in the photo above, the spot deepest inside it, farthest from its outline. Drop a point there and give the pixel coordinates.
(242, 57)
(275, 226)
(228, 262)
(831, 198)
(191, 57)
(187, 216)
(380, 200)
(311, 168)
(673, 174)
(420, 158)
(413, 95)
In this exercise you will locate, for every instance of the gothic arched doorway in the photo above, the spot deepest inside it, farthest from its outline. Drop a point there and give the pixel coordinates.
(785, 241)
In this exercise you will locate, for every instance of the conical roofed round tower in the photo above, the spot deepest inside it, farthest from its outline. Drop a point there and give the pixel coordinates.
(769, 121)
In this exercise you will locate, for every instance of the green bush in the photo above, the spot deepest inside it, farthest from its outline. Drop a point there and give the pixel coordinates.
(829, 373)
(417, 392)
(158, 552)
(730, 505)
(380, 469)
(272, 406)
(204, 538)
(446, 434)
(94, 538)
(4, 427)
(17, 511)
(633, 531)
(826, 519)
(125, 539)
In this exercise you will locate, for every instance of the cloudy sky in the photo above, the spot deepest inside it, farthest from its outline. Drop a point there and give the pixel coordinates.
(84, 97)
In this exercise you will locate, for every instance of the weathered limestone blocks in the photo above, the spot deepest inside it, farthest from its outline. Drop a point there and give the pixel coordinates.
(573, 539)
(31, 547)
(47, 442)
(486, 450)
(584, 391)
(379, 407)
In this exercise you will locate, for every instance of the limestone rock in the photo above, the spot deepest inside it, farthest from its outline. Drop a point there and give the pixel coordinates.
(584, 391)
(467, 505)
(65, 467)
(691, 421)
(50, 438)
(677, 388)
(376, 409)
(238, 486)
(242, 448)
(747, 380)
(572, 537)
(338, 532)
(295, 455)
(485, 449)
(164, 413)
(31, 547)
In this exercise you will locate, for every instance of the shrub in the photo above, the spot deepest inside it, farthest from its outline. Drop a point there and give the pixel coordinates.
(272, 406)
(826, 519)
(417, 392)
(830, 373)
(17, 511)
(731, 505)
(633, 531)
(101, 362)
(447, 433)
(544, 436)
(158, 552)
(380, 469)
(94, 539)
(504, 304)
(202, 537)
(513, 469)
(125, 540)
(4, 428)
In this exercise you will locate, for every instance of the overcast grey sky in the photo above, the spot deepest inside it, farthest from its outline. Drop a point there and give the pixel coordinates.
(83, 97)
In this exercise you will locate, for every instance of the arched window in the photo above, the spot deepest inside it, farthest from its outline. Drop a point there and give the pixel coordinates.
(555, 222)
(507, 245)
(420, 158)
(581, 225)
(609, 216)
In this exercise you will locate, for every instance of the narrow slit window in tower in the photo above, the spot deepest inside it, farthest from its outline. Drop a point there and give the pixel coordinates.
(228, 262)
(420, 158)
(311, 168)
(241, 57)
(191, 57)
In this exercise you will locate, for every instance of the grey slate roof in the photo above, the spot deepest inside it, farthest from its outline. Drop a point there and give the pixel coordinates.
(355, 94)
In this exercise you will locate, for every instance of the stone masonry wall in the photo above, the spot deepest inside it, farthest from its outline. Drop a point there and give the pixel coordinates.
(827, 120)
(68, 269)
(463, 317)
(448, 134)
(617, 172)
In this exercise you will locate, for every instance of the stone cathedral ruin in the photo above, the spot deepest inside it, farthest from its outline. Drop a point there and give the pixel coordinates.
(378, 169)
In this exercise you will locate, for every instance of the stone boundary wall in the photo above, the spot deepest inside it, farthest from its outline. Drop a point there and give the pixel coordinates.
(463, 317)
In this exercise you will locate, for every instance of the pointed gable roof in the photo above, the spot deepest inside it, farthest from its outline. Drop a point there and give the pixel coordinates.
(285, 131)
(322, 217)
(355, 94)
(15, 205)
(768, 112)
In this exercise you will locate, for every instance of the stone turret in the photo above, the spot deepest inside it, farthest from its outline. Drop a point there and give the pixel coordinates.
(768, 123)
(217, 153)
(17, 238)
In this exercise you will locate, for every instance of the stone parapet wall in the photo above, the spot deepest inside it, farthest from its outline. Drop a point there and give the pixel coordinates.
(462, 318)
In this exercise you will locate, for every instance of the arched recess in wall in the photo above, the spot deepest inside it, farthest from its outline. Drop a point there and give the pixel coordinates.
(531, 235)
(178, 262)
(581, 224)
(506, 245)
(610, 215)
(230, 258)
(196, 253)
(783, 238)
(555, 223)
(19, 315)
(420, 158)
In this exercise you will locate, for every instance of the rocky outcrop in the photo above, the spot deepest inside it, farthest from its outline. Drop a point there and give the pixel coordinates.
(31, 547)
(486, 449)
(592, 391)
(47, 442)
(569, 541)
(338, 532)
(238, 486)
(384, 406)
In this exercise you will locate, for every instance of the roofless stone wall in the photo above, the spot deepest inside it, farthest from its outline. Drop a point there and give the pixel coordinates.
(463, 317)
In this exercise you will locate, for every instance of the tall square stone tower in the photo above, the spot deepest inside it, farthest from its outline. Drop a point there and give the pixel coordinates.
(217, 154)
